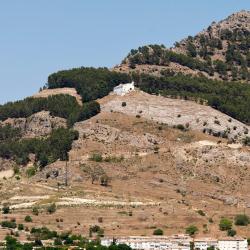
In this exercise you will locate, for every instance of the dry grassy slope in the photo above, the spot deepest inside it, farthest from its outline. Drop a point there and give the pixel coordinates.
(169, 173)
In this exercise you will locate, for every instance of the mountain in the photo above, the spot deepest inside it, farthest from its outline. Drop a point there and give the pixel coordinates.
(173, 153)
(219, 52)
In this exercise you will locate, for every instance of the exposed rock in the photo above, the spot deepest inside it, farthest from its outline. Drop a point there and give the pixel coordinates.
(174, 112)
(39, 124)
(107, 134)
(5, 164)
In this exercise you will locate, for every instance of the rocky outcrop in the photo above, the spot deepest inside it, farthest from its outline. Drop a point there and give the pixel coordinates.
(174, 112)
(107, 134)
(39, 124)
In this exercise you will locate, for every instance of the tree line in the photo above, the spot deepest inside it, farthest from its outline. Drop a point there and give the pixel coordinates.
(64, 106)
(231, 98)
(90, 83)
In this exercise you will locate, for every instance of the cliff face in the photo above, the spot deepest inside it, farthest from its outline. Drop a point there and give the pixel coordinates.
(219, 52)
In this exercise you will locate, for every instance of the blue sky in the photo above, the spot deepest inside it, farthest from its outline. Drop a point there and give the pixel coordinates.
(43, 36)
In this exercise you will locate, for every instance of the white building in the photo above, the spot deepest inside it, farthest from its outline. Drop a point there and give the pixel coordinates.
(123, 89)
(175, 242)
(232, 243)
(204, 243)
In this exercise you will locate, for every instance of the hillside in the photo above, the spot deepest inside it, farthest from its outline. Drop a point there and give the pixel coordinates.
(172, 153)
(156, 176)
(219, 52)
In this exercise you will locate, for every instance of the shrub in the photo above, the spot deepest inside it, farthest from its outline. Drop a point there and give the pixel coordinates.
(124, 104)
(51, 208)
(158, 232)
(104, 180)
(6, 209)
(231, 232)
(225, 224)
(31, 172)
(191, 230)
(97, 157)
(8, 224)
(241, 220)
(200, 212)
(35, 211)
(20, 227)
(28, 218)
(180, 126)
(217, 122)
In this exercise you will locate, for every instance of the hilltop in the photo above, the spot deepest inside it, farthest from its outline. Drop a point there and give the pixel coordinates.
(219, 52)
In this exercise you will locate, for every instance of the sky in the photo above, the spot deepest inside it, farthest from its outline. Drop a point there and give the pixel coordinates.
(40, 37)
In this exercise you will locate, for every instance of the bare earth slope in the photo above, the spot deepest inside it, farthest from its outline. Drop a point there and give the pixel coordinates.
(158, 177)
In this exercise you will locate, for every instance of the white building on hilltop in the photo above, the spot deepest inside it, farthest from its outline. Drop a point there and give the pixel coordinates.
(233, 243)
(123, 89)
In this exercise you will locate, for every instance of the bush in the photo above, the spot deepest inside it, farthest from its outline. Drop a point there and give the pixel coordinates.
(20, 227)
(158, 232)
(31, 172)
(104, 180)
(200, 212)
(180, 127)
(231, 232)
(97, 157)
(124, 104)
(28, 218)
(35, 211)
(241, 220)
(6, 209)
(51, 208)
(191, 230)
(225, 224)
(8, 224)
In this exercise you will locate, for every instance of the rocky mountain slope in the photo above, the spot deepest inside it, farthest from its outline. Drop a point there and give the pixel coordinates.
(219, 52)
(156, 177)
(172, 153)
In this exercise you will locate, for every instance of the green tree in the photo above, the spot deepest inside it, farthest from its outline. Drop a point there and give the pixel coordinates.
(241, 220)
(225, 224)
(28, 218)
(191, 49)
(158, 231)
(191, 230)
